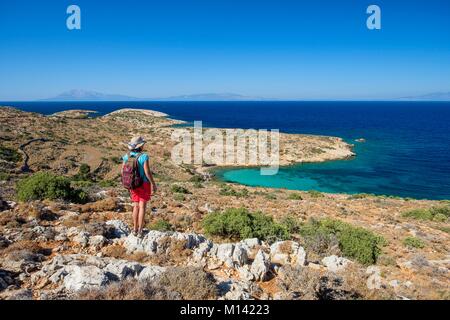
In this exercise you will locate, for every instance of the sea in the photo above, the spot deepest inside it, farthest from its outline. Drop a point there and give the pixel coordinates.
(405, 153)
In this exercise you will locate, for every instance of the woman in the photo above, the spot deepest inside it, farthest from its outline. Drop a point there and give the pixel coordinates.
(141, 195)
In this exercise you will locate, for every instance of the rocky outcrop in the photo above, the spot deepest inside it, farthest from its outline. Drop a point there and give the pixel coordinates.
(120, 229)
(79, 271)
(154, 242)
(261, 266)
(335, 263)
(287, 252)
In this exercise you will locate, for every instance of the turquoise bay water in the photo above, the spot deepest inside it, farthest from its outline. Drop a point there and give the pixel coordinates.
(406, 153)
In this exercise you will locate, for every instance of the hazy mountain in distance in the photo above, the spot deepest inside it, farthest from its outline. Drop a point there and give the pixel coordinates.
(85, 95)
(212, 97)
(435, 96)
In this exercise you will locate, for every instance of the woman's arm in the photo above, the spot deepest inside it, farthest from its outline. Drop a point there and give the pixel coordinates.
(149, 175)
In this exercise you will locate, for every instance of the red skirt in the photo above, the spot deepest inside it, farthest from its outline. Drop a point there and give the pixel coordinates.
(143, 193)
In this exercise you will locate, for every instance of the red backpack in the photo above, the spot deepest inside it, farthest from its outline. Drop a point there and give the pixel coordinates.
(131, 177)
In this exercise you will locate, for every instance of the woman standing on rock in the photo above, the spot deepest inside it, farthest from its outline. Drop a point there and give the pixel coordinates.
(138, 179)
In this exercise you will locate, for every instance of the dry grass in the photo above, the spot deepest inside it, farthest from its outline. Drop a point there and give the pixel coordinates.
(309, 284)
(11, 220)
(129, 290)
(188, 283)
(192, 283)
(25, 245)
(76, 220)
(109, 204)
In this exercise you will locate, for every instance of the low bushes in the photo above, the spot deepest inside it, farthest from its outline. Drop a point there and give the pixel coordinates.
(295, 196)
(315, 194)
(192, 283)
(439, 214)
(354, 242)
(412, 242)
(179, 189)
(161, 225)
(241, 224)
(44, 185)
(227, 190)
(9, 154)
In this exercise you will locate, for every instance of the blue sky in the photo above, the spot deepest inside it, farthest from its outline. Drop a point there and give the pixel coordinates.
(280, 49)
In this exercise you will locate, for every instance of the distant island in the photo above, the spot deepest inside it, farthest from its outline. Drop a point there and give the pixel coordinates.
(435, 96)
(87, 95)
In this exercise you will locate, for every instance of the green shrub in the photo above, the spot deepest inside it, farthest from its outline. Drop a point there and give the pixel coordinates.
(179, 189)
(4, 176)
(9, 154)
(196, 178)
(440, 217)
(445, 211)
(435, 213)
(44, 185)
(161, 225)
(360, 196)
(270, 196)
(291, 224)
(354, 242)
(198, 185)
(227, 190)
(179, 197)
(84, 173)
(116, 160)
(412, 242)
(239, 223)
(315, 194)
(295, 196)
(107, 183)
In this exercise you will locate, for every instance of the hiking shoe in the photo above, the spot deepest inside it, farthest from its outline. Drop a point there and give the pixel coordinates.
(140, 235)
(135, 233)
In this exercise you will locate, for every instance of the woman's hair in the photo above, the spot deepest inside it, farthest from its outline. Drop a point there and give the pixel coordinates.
(137, 150)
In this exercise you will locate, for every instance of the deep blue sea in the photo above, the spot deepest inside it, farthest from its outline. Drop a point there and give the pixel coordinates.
(406, 153)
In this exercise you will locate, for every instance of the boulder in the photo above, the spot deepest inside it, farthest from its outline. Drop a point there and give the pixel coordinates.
(335, 263)
(150, 273)
(240, 256)
(252, 243)
(22, 261)
(230, 254)
(156, 241)
(202, 250)
(261, 266)
(85, 277)
(225, 254)
(82, 238)
(234, 290)
(120, 230)
(122, 269)
(245, 274)
(287, 252)
(97, 241)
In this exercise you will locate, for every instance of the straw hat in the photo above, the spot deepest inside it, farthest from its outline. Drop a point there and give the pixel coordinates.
(136, 143)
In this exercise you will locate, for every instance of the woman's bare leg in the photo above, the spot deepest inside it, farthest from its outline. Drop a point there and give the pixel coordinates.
(135, 216)
(142, 207)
